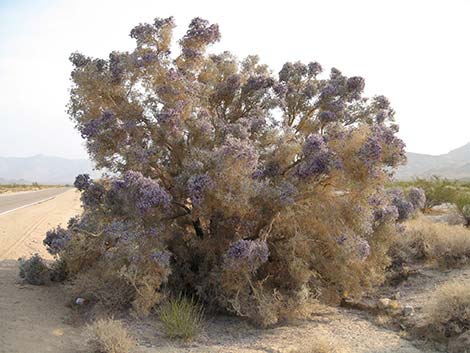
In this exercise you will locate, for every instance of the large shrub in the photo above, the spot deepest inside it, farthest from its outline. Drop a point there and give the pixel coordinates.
(252, 191)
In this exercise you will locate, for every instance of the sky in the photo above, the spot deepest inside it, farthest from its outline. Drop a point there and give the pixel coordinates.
(414, 52)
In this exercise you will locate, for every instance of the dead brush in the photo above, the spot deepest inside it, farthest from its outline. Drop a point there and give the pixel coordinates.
(109, 336)
(181, 317)
(428, 241)
(448, 311)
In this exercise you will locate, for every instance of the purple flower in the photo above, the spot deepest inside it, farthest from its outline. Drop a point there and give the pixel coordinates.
(314, 68)
(199, 30)
(197, 186)
(328, 91)
(142, 33)
(355, 84)
(162, 258)
(95, 127)
(405, 208)
(82, 181)
(247, 253)
(417, 197)
(317, 158)
(381, 116)
(79, 60)
(385, 214)
(370, 152)
(56, 240)
(256, 83)
(145, 192)
(287, 193)
(116, 66)
(362, 249)
(341, 240)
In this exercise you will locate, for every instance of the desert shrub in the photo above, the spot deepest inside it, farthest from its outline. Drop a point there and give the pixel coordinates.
(425, 240)
(34, 270)
(448, 310)
(438, 191)
(253, 192)
(462, 202)
(407, 204)
(181, 317)
(58, 270)
(109, 336)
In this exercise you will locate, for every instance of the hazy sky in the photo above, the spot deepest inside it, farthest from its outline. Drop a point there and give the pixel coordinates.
(415, 52)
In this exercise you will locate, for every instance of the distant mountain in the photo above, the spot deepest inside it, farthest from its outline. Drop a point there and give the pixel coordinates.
(43, 169)
(452, 165)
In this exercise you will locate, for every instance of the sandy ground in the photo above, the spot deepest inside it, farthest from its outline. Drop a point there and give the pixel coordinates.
(32, 318)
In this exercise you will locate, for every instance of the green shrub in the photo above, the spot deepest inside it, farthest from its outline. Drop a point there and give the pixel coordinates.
(109, 336)
(462, 202)
(34, 270)
(181, 317)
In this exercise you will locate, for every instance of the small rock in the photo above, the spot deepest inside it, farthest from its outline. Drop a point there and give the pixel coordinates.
(408, 310)
(384, 303)
(460, 344)
(80, 301)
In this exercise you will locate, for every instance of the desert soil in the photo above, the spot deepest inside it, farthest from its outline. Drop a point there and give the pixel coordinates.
(33, 318)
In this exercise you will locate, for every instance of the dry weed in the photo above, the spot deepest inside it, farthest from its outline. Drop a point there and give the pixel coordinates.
(448, 311)
(109, 336)
(425, 240)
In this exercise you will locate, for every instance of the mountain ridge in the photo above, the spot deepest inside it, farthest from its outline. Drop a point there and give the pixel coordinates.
(454, 164)
(44, 169)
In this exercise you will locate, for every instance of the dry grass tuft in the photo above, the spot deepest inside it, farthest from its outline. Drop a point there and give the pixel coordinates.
(109, 336)
(323, 345)
(425, 240)
(448, 311)
(181, 317)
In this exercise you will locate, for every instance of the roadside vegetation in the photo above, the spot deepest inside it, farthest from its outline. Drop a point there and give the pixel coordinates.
(4, 188)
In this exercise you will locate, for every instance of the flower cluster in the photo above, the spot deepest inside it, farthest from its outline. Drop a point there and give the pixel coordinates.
(250, 254)
(56, 240)
(145, 192)
(318, 159)
(417, 197)
(82, 182)
(405, 207)
(94, 127)
(162, 258)
(197, 186)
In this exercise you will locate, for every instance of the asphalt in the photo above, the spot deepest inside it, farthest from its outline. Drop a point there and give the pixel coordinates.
(9, 203)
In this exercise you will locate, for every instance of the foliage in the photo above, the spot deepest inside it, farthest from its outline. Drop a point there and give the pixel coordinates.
(109, 336)
(181, 317)
(448, 310)
(252, 191)
(462, 202)
(59, 271)
(34, 270)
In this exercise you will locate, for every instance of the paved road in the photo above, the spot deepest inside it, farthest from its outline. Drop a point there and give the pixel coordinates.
(8, 203)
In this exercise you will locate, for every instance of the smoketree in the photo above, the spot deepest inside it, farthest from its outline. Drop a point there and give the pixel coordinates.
(257, 192)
